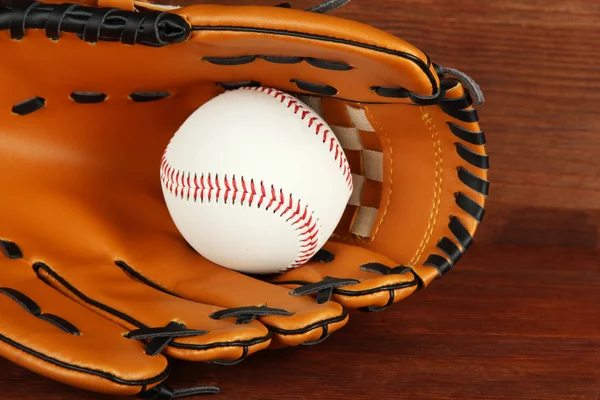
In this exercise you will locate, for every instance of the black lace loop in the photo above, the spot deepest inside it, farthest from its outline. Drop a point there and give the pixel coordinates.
(131, 29)
(324, 289)
(11, 250)
(147, 27)
(373, 309)
(402, 93)
(17, 21)
(384, 269)
(466, 81)
(165, 392)
(434, 99)
(91, 32)
(401, 269)
(324, 336)
(34, 309)
(162, 337)
(247, 314)
(438, 98)
(323, 256)
(55, 20)
(228, 363)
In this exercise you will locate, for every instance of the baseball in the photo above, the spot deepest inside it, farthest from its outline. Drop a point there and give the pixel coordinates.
(255, 181)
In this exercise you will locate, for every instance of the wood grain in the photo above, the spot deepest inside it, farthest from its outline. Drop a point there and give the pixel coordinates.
(519, 318)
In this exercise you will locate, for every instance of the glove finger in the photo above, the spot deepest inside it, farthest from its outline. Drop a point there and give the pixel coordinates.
(293, 320)
(187, 328)
(352, 276)
(46, 332)
(92, 275)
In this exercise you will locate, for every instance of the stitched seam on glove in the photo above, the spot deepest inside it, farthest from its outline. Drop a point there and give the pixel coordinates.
(437, 195)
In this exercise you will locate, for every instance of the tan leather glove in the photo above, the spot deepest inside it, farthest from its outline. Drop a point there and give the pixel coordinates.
(97, 286)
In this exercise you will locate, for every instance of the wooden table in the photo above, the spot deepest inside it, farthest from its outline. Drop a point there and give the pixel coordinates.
(519, 317)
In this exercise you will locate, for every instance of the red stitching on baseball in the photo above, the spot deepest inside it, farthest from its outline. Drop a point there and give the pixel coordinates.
(296, 109)
(225, 189)
(203, 189)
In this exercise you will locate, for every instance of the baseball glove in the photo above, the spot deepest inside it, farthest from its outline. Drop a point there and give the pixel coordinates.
(97, 287)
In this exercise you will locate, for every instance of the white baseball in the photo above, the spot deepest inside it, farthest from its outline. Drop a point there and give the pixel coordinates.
(256, 181)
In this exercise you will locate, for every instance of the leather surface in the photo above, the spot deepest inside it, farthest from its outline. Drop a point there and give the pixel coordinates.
(81, 190)
(122, 4)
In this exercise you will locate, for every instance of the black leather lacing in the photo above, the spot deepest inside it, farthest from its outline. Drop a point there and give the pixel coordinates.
(385, 270)
(453, 107)
(91, 24)
(471, 86)
(229, 363)
(10, 250)
(324, 289)
(324, 336)
(247, 59)
(245, 315)
(34, 104)
(474, 182)
(477, 138)
(401, 93)
(459, 108)
(470, 206)
(162, 337)
(324, 90)
(323, 256)
(329, 286)
(28, 106)
(34, 309)
(159, 339)
(165, 392)
(145, 97)
(87, 97)
(238, 85)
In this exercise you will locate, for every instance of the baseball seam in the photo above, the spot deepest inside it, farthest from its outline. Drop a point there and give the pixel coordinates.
(213, 188)
(313, 122)
(190, 186)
